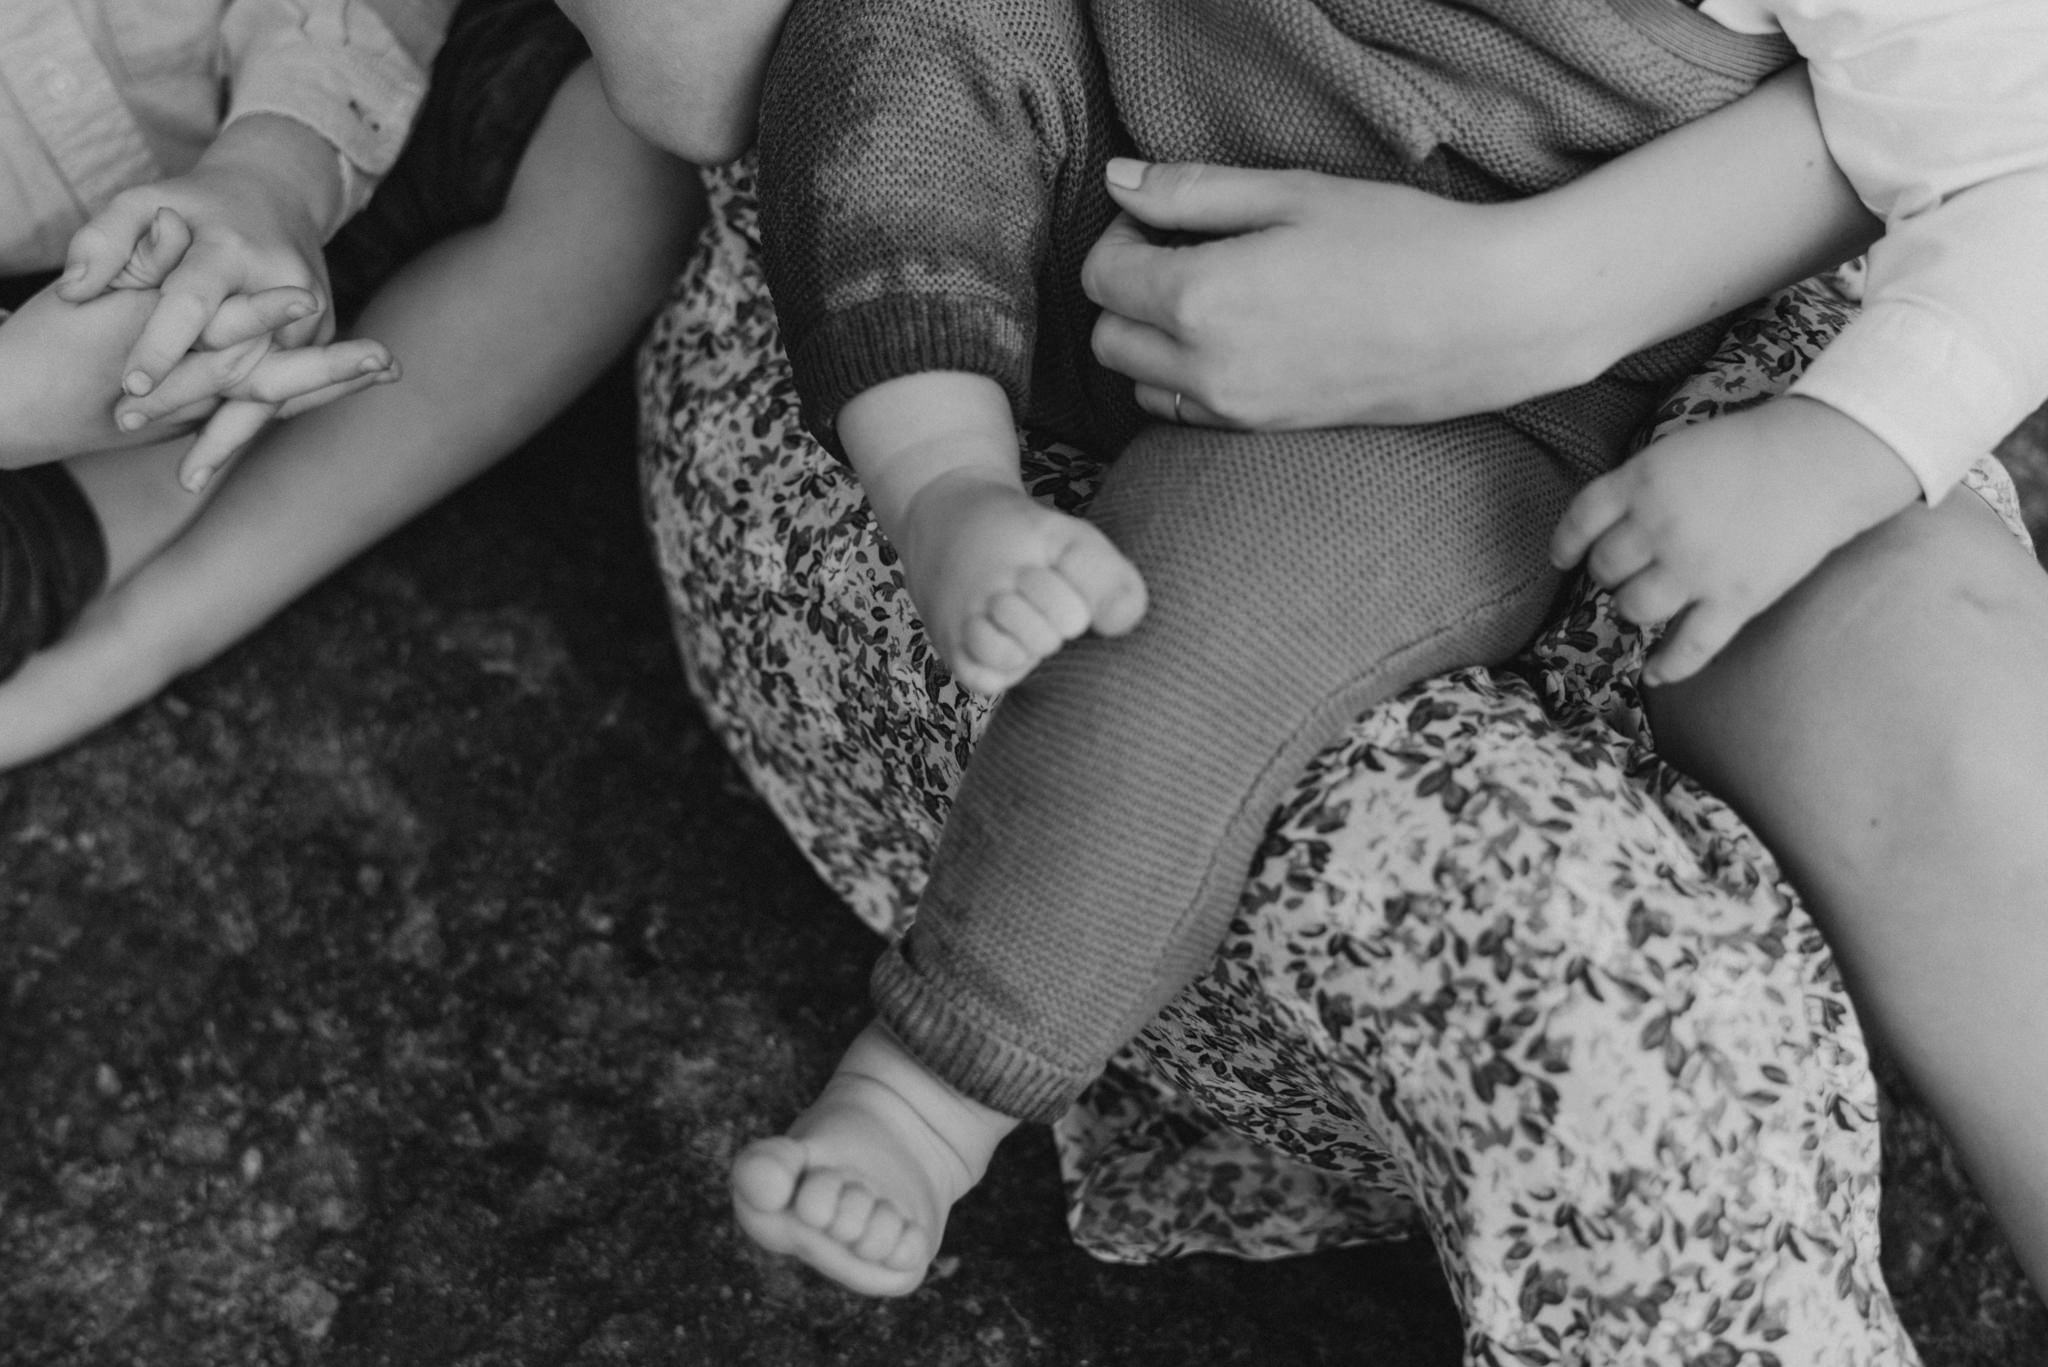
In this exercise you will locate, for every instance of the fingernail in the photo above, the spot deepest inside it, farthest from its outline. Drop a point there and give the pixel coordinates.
(371, 363)
(137, 383)
(1125, 173)
(303, 308)
(72, 274)
(196, 481)
(131, 421)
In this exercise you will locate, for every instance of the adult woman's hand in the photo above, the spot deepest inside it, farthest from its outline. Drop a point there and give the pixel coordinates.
(1286, 299)
(1310, 300)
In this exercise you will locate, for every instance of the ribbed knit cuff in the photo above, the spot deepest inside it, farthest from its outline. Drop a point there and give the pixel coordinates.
(857, 348)
(957, 1045)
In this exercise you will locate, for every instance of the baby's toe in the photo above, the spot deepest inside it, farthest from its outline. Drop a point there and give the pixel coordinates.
(1015, 616)
(911, 1253)
(1106, 580)
(884, 1234)
(765, 1173)
(856, 1211)
(817, 1198)
(989, 646)
(1055, 600)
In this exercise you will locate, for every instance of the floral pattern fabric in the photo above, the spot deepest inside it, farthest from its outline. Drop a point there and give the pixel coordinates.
(1500, 976)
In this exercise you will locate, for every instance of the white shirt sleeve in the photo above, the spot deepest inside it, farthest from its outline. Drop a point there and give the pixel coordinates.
(1937, 111)
(337, 67)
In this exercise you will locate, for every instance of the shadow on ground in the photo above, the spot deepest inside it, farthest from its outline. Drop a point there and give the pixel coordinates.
(394, 991)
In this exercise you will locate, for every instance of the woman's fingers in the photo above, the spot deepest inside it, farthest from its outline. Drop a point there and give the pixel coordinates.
(198, 376)
(1139, 350)
(292, 377)
(320, 398)
(1177, 406)
(1130, 275)
(243, 317)
(156, 255)
(1192, 197)
(226, 434)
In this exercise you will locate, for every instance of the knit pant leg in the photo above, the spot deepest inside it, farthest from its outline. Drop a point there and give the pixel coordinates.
(1102, 835)
(915, 157)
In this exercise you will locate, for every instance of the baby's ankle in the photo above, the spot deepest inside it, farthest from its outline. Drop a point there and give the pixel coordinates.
(967, 1127)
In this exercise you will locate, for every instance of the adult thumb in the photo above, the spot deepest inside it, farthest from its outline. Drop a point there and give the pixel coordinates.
(1195, 197)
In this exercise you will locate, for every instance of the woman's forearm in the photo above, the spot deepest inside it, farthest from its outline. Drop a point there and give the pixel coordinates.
(1681, 230)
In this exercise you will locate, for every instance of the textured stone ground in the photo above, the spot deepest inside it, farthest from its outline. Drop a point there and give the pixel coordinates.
(393, 991)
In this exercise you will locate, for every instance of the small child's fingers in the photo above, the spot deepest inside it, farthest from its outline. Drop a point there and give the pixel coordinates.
(286, 376)
(100, 249)
(156, 255)
(1692, 643)
(226, 434)
(199, 376)
(189, 299)
(243, 316)
(1597, 507)
(1652, 595)
(1619, 553)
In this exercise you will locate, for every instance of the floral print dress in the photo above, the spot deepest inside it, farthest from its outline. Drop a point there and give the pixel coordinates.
(1499, 975)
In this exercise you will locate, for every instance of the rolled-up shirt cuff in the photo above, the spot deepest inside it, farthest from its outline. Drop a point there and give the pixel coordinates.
(361, 99)
(1939, 399)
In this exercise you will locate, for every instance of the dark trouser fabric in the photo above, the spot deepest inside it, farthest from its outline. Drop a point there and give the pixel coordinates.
(1100, 840)
(491, 84)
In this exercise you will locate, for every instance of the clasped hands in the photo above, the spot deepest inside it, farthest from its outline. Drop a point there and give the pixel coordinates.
(240, 333)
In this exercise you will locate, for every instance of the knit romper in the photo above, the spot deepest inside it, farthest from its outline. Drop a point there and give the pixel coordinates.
(931, 178)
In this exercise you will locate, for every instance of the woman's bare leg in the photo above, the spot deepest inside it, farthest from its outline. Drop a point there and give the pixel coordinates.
(497, 328)
(1885, 730)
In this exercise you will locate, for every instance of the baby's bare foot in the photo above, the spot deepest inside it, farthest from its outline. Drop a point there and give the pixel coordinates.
(1004, 581)
(861, 1186)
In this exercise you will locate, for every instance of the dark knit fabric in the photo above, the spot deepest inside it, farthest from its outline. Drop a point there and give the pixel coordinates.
(53, 559)
(926, 220)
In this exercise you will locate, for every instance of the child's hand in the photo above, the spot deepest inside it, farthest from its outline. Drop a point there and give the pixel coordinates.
(241, 389)
(1714, 523)
(247, 218)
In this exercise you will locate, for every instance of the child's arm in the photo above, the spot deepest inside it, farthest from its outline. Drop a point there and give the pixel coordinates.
(255, 205)
(60, 373)
(1937, 110)
(321, 96)
(684, 74)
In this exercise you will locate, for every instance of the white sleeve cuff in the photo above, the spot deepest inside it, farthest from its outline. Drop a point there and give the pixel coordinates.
(1937, 398)
(360, 96)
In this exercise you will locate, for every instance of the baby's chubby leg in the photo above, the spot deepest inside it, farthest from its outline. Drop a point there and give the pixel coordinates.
(1001, 580)
(862, 1183)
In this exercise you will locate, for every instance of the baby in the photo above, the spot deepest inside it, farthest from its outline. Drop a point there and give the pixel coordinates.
(924, 247)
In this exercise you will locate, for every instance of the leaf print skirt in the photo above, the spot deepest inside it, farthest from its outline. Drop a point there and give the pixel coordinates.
(1500, 977)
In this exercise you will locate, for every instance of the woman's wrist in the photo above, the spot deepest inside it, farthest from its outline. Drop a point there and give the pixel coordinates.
(1555, 294)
